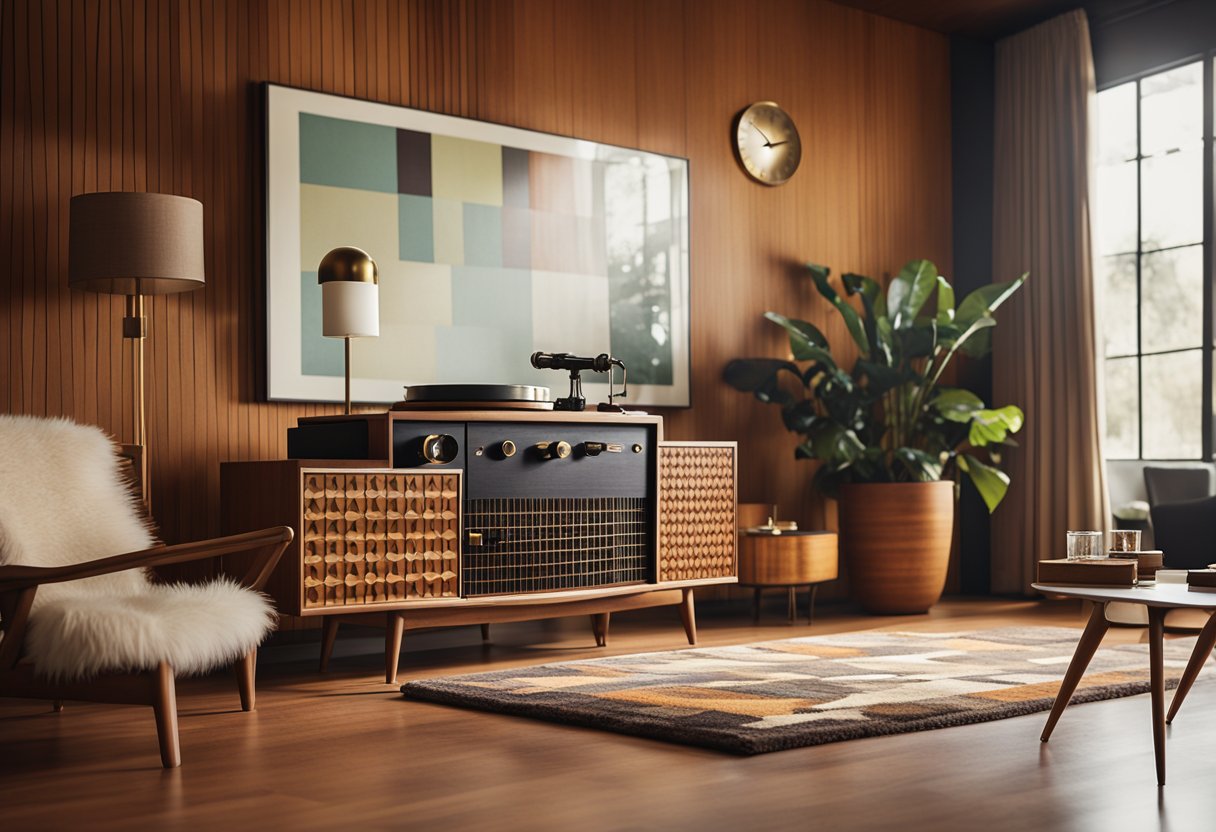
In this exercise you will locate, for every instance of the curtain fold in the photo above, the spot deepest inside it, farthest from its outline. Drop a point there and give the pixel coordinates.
(1046, 354)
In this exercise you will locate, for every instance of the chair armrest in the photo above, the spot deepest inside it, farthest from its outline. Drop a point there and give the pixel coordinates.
(274, 540)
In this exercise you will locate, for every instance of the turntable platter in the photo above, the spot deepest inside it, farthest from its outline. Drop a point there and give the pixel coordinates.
(475, 397)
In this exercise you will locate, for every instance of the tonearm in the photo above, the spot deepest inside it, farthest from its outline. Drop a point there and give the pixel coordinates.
(575, 364)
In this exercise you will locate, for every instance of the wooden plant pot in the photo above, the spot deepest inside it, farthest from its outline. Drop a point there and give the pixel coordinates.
(897, 539)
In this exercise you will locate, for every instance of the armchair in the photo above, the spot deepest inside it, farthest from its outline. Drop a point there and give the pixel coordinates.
(81, 622)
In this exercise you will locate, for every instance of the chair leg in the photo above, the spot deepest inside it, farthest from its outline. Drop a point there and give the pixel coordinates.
(246, 675)
(599, 626)
(688, 615)
(485, 632)
(328, 635)
(393, 636)
(165, 708)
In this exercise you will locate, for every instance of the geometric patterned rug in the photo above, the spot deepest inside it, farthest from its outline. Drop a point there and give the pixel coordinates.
(775, 695)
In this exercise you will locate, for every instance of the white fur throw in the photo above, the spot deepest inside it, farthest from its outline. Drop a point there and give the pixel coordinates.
(63, 501)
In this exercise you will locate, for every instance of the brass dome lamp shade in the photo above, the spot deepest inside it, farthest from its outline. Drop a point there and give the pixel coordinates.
(136, 244)
(350, 299)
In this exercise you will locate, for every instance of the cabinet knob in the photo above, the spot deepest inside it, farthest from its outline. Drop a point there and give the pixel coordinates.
(559, 449)
(440, 448)
(507, 449)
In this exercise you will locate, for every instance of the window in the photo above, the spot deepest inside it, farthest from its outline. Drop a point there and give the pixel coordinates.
(1152, 263)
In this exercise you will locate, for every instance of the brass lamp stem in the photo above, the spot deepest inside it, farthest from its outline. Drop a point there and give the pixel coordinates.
(135, 328)
(347, 340)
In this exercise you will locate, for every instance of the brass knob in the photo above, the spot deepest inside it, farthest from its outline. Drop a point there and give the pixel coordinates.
(507, 448)
(440, 448)
(554, 450)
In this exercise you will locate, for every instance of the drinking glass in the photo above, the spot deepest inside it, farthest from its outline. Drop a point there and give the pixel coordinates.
(1085, 546)
(1124, 540)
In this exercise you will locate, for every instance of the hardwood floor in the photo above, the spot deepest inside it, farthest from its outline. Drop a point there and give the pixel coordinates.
(345, 751)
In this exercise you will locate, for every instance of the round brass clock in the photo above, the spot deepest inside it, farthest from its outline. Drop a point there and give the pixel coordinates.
(767, 142)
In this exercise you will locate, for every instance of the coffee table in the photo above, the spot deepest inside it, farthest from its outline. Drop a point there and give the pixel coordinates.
(1158, 599)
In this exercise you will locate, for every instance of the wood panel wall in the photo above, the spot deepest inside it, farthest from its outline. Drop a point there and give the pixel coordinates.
(161, 95)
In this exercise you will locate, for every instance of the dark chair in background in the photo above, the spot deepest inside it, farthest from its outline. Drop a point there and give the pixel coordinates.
(1178, 484)
(1186, 532)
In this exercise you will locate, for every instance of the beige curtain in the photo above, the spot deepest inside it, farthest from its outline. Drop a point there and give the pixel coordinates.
(1045, 356)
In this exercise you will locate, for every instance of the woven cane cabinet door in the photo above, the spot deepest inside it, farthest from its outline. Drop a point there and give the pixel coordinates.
(379, 537)
(697, 501)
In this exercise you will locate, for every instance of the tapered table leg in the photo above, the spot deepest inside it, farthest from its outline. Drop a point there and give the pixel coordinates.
(393, 635)
(1199, 656)
(1086, 647)
(1156, 635)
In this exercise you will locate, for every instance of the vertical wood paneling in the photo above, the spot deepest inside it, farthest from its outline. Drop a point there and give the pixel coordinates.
(162, 95)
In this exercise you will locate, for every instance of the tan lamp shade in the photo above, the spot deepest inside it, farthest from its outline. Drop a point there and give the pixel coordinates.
(127, 243)
(350, 294)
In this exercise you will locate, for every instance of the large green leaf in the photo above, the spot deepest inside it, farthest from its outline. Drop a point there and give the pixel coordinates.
(991, 483)
(806, 341)
(883, 378)
(909, 290)
(876, 310)
(834, 443)
(922, 466)
(852, 320)
(985, 300)
(993, 426)
(945, 300)
(800, 417)
(956, 404)
(751, 374)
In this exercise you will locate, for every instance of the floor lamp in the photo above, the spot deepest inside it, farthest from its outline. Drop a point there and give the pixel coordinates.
(136, 244)
(350, 298)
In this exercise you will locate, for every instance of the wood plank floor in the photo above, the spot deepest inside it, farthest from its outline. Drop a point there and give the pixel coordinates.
(345, 751)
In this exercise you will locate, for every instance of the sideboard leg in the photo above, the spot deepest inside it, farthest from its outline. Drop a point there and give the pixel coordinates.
(810, 606)
(485, 632)
(599, 626)
(392, 646)
(328, 635)
(792, 604)
(756, 605)
(688, 614)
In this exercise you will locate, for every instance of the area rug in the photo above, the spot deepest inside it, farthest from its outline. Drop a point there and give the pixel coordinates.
(776, 695)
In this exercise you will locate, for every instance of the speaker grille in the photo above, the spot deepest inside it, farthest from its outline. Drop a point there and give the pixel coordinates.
(543, 545)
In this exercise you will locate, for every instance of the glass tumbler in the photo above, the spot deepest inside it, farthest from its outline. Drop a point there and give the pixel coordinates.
(1124, 540)
(1085, 546)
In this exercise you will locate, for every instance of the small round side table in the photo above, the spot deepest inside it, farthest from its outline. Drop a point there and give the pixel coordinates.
(790, 559)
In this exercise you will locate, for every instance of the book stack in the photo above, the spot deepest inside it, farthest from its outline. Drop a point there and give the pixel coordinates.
(1147, 562)
(1108, 572)
(1201, 580)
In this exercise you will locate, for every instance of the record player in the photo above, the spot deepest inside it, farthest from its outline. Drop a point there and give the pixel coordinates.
(482, 503)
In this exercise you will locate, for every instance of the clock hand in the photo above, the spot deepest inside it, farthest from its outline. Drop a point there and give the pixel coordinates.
(775, 144)
(767, 141)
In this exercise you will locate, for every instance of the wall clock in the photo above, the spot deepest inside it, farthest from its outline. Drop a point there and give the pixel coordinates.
(767, 143)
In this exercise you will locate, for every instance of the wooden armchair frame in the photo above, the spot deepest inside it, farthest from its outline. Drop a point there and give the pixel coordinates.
(19, 585)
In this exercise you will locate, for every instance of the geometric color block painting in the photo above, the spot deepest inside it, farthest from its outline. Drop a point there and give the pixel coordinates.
(492, 242)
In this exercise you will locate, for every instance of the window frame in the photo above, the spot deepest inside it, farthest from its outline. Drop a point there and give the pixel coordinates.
(1206, 348)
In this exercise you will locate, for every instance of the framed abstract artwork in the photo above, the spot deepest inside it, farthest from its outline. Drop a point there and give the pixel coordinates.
(492, 242)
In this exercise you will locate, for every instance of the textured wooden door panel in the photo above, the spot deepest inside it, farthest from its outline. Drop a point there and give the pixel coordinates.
(698, 533)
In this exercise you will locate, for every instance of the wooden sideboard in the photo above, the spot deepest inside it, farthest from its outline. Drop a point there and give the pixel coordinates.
(414, 547)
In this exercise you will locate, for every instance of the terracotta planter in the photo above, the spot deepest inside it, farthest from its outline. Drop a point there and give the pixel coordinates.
(896, 539)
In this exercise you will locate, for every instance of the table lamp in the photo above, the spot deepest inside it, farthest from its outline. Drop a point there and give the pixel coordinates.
(350, 298)
(136, 244)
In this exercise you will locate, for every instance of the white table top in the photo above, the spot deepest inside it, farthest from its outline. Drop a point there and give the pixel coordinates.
(1152, 595)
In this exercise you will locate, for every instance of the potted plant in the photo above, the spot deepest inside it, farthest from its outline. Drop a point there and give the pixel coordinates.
(891, 442)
